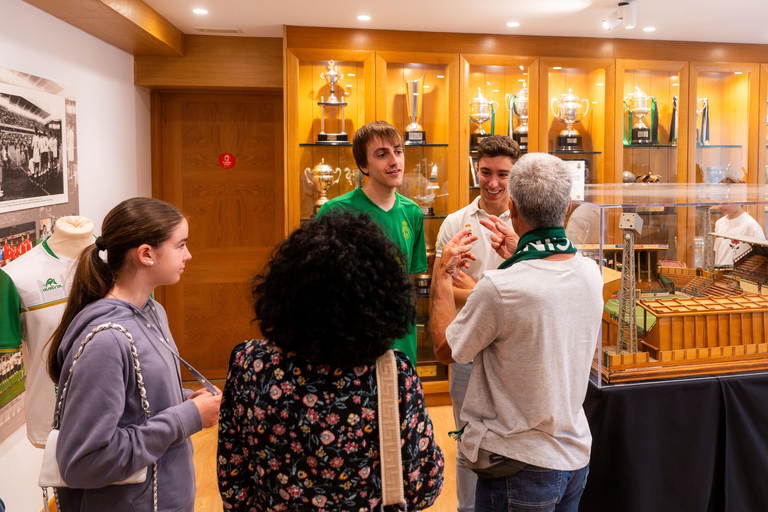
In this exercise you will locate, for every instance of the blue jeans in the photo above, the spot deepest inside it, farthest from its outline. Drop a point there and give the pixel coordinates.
(532, 489)
(466, 480)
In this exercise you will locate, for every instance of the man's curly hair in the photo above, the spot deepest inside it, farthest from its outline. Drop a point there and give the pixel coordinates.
(335, 292)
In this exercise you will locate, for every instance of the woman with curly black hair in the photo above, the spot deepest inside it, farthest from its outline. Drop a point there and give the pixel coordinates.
(299, 426)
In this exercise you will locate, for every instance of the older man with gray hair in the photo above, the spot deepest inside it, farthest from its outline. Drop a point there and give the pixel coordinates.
(531, 328)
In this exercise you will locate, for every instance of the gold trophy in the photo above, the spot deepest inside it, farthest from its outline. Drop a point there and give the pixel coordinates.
(568, 107)
(323, 177)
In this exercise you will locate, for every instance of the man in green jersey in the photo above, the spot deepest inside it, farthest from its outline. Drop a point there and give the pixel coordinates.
(378, 151)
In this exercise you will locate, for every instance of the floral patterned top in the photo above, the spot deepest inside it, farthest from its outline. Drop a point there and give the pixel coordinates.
(299, 436)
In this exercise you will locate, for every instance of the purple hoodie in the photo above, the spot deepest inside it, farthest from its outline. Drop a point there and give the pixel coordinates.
(104, 435)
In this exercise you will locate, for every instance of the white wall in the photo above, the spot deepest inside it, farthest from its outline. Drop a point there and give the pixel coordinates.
(113, 126)
(113, 131)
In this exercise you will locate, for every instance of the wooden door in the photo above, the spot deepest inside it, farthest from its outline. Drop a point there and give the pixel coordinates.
(236, 215)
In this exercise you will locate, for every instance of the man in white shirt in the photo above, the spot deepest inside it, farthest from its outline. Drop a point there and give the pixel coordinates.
(737, 222)
(496, 155)
(530, 328)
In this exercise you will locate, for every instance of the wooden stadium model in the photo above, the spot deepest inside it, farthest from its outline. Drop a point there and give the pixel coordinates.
(717, 322)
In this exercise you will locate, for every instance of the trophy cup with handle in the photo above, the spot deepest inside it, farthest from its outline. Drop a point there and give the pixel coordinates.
(517, 104)
(332, 76)
(639, 104)
(414, 133)
(568, 107)
(323, 177)
(481, 110)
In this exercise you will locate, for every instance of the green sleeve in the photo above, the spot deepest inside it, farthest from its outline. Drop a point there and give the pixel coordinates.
(419, 254)
(10, 315)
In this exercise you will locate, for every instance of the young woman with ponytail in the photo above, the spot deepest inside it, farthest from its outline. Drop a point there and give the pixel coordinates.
(104, 435)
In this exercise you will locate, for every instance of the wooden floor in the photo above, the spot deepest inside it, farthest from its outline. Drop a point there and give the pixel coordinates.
(208, 499)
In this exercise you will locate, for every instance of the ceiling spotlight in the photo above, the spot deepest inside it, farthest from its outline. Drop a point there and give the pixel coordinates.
(649, 29)
(628, 14)
(199, 11)
(611, 21)
(625, 13)
(364, 17)
(513, 24)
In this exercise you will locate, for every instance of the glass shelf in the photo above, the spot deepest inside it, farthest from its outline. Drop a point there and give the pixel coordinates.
(562, 152)
(412, 145)
(650, 145)
(325, 144)
(739, 146)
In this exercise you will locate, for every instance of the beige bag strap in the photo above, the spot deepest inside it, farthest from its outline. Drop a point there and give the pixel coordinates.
(389, 431)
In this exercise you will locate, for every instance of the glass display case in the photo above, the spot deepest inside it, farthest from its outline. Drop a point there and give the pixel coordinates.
(670, 311)
(650, 112)
(574, 95)
(722, 127)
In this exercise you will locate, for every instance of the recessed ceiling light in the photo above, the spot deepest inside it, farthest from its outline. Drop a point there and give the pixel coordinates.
(364, 17)
(649, 29)
(599, 84)
(199, 11)
(557, 67)
(440, 76)
(513, 24)
(737, 72)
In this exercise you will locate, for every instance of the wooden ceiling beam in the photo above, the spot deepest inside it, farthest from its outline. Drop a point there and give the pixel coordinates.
(131, 25)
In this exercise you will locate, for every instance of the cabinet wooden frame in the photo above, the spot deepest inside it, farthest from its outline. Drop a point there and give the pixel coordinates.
(601, 135)
(442, 130)
(468, 92)
(296, 131)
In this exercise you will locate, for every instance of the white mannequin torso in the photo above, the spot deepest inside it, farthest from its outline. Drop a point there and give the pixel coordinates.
(71, 235)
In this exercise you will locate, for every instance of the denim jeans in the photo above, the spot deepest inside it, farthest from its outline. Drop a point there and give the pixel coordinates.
(532, 489)
(466, 480)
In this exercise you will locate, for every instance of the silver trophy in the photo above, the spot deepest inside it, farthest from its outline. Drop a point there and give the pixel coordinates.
(414, 133)
(481, 110)
(323, 177)
(332, 76)
(517, 104)
(639, 105)
(568, 107)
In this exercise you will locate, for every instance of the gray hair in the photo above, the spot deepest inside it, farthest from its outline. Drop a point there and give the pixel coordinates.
(540, 187)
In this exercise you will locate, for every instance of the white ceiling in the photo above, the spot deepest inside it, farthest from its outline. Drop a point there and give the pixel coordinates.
(737, 21)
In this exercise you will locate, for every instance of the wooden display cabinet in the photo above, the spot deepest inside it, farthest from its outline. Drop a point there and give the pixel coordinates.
(498, 77)
(667, 82)
(305, 88)
(590, 79)
(731, 144)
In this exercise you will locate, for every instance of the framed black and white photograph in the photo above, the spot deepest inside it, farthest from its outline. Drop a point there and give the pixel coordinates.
(33, 149)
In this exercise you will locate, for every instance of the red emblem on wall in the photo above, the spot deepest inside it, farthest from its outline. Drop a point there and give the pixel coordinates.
(227, 161)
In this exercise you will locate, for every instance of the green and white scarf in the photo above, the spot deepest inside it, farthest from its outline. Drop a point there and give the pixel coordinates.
(540, 243)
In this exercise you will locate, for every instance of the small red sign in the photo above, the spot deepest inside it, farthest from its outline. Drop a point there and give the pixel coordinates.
(227, 161)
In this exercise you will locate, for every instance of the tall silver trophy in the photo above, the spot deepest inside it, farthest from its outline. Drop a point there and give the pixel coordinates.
(332, 76)
(414, 133)
(568, 107)
(481, 110)
(639, 105)
(517, 104)
(702, 134)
